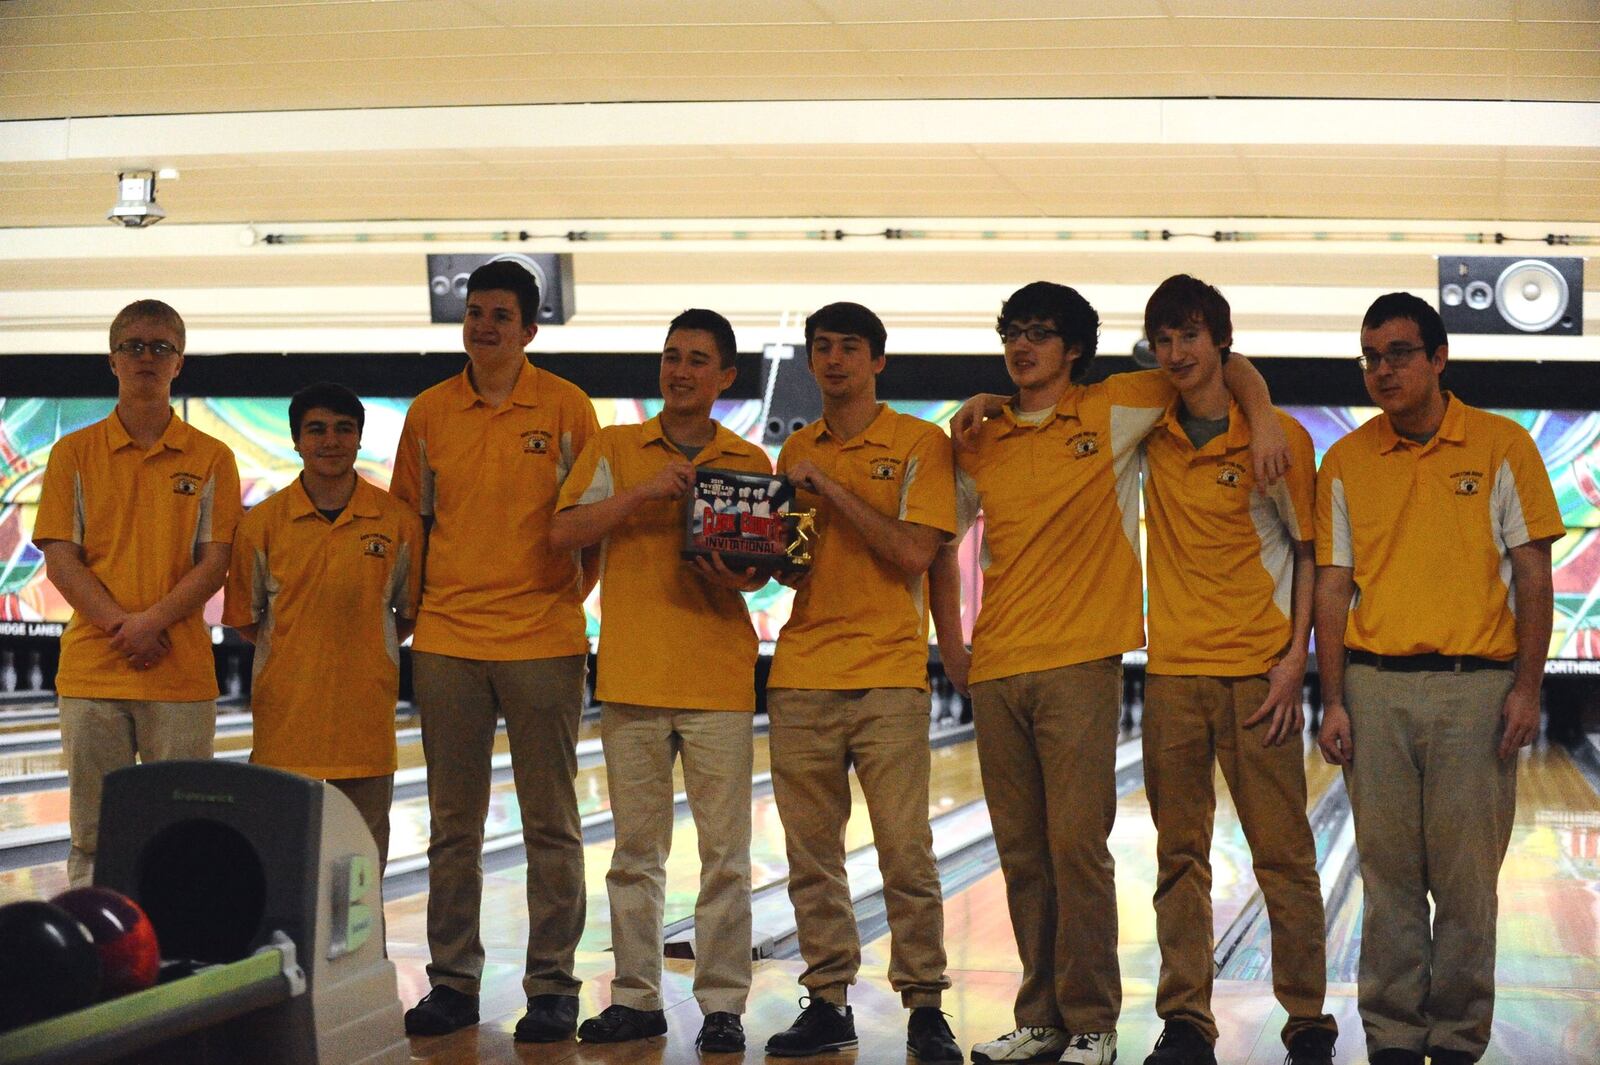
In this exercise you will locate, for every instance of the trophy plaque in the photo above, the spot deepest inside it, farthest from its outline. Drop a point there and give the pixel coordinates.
(748, 519)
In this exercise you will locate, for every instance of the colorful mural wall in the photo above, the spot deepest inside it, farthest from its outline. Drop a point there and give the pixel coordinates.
(257, 430)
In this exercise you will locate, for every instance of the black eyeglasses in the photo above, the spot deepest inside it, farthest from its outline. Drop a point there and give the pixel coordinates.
(1396, 357)
(136, 348)
(1036, 334)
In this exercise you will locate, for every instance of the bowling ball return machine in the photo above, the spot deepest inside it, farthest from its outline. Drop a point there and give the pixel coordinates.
(263, 887)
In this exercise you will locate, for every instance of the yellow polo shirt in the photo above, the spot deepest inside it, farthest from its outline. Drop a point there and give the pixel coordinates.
(324, 595)
(667, 637)
(1060, 505)
(1221, 554)
(856, 621)
(488, 478)
(140, 517)
(1427, 529)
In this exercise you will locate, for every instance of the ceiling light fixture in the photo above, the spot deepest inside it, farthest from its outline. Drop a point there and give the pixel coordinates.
(136, 205)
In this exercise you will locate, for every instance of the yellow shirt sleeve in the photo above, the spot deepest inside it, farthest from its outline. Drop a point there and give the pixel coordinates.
(239, 593)
(1139, 400)
(57, 517)
(927, 494)
(585, 426)
(591, 479)
(969, 502)
(1524, 504)
(1332, 519)
(408, 587)
(406, 483)
(227, 502)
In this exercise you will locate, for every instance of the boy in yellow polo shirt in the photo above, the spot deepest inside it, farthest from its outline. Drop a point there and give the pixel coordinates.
(500, 633)
(135, 517)
(1231, 575)
(1055, 475)
(676, 675)
(325, 579)
(1433, 614)
(849, 686)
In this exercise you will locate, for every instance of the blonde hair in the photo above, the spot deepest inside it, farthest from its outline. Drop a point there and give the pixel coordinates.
(153, 310)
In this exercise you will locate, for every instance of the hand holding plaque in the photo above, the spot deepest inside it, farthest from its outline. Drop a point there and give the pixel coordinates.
(748, 519)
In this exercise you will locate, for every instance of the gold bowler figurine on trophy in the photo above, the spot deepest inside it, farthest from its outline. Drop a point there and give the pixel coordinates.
(747, 518)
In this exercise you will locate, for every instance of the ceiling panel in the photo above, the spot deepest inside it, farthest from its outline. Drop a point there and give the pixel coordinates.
(603, 13)
(953, 181)
(1557, 10)
(186, 55)
(231, 19)
(180, 57)
(1367, 10)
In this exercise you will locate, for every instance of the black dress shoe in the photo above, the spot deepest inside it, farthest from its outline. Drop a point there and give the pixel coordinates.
(442, 1011)
(721, 1033)
(623, 1024)
(821, 1028)
(1311, 1046)
(1395, 1056)
(1441, 1056)
(928, 1036)
(1181, 1043)
(550, 1019)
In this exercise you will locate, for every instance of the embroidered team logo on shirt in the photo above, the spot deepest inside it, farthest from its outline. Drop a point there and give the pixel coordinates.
(884, 469)
(536, 442)
(375, 545)
(1084, 445)
(1467, 482)
(1231, 475)
(185, 484)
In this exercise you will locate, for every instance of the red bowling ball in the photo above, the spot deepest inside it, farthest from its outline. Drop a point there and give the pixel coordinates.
(130, 957)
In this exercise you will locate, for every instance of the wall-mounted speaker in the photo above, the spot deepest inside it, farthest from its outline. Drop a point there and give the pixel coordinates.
(1506, 294)
(447, 284)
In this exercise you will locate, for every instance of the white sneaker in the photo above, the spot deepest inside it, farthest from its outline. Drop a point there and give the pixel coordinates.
(1091, 1048)
(1023, 1045)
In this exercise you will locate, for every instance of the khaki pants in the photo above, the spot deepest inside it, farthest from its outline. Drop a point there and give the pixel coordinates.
(641, 743)
(1434, 807)
(99, 735)
(1047, 748)
(372, 797)
(1191, 724)
(541, 700)
(817, 735)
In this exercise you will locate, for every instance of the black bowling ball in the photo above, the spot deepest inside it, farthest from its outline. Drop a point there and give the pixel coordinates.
(48, 964)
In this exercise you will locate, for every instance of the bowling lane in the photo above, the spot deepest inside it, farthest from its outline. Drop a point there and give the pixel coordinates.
(47, 804)
(954, 782)
(504, 920)
(1548, 945)
(47, 808)
(990, 945)
(1549, 927)
(18, 765)
(408, 818)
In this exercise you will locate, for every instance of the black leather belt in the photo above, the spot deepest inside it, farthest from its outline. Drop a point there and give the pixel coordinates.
(1427, 663)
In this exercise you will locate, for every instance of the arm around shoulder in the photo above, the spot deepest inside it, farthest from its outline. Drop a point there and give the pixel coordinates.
(1269, 445)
